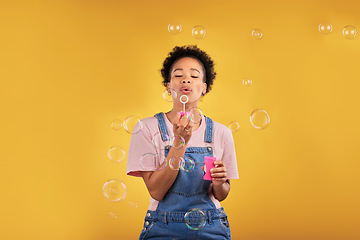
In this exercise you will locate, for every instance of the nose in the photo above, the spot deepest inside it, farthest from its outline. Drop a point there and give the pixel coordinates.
(188, 81)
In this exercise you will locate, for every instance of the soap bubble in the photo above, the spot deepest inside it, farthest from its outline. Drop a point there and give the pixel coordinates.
(133, 204)
(247, 82)
(349, 32)
(175, 162)
(174, 27)
(157, 141)
(195, 115)
(199, 32)
(169, 95)
(325, 27)
(116, 154)
(116, 124)
(259, 119)
(177, 142)
(113, 215)
(234, 126)
(257, 34)
(114, 190)
(195, 219)
(187, 164)
(152, 162)
(132, 124)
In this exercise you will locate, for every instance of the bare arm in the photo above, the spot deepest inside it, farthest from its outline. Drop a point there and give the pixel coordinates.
(159, 182)
(221, 185)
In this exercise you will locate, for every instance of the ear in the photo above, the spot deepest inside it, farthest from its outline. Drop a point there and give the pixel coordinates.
(204, 88)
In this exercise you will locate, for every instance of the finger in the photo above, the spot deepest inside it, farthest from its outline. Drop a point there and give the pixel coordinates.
(219, 175)
(218, 169)
(177, 119)
(219, 163)
(184, 121)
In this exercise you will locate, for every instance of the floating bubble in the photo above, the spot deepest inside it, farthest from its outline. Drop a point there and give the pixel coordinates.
(157, 141)
(114, 190)
(325, 27)
(199, 32)
(177, 142)
(234, 126)
(152, 162)
(195, 219)
(133, 204)
(257, 34)
(195, 115)
(187, 164)
(116, 124)
(247, 82)
(116, 154)
(169, 95)
(132, 124)
(174, 27)
(175, 162)
(349, 32)
(113, 215)
(259, 119)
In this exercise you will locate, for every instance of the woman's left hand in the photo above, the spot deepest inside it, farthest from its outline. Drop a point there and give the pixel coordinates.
(219, 173)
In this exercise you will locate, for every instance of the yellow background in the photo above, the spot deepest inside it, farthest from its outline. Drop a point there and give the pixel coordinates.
(68, 68)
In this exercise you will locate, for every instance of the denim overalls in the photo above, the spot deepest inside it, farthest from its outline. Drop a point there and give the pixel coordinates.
(188, 191)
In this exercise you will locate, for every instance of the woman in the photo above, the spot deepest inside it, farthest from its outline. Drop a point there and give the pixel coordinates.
(183, 205)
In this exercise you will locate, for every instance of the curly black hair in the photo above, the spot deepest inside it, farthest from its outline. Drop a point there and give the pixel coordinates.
(189, 51)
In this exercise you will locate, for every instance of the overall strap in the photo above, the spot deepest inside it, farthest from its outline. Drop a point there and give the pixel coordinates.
(209, 130)
(162, 125)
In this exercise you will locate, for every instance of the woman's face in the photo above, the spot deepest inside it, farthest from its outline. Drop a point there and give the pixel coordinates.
(187, 78)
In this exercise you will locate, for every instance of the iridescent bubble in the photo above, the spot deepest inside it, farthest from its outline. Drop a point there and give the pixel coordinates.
(114, 190)
(133, 204)
(132, 124)
(169, 95)
(195, 115)
(199, 32)
(152, 162)
(116, 154)
(195, 219)
(247, 82)
(349, 32)
(174, 27)
(325, 27)
(116, 124)
(257, 34)
(113, 215)
(187, 164)
(157, 141)
(175, 162)
(259, 119)
(177, 142)
(234, 126)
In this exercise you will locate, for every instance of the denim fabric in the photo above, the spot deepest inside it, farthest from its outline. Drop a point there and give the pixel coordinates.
(188, 191)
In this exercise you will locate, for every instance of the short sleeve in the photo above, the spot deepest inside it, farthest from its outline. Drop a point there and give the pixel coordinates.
(140, 144)
(229, 155)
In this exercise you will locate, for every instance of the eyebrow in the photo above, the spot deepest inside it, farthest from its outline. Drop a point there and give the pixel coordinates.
(190, 69)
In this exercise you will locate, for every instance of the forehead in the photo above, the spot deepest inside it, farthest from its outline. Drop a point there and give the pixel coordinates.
(187, 63)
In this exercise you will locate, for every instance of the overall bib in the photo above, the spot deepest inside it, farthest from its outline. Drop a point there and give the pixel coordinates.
(188, 191)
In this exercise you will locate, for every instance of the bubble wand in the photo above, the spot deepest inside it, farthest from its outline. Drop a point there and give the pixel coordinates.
(183, 102)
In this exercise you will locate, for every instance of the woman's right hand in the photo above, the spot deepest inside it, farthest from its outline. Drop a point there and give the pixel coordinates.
(182, 127)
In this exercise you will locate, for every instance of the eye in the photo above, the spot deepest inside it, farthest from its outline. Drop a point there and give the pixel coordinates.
(178, 75)
(194, 76)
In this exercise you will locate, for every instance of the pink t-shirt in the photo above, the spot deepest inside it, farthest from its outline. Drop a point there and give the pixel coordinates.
(141, 143)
